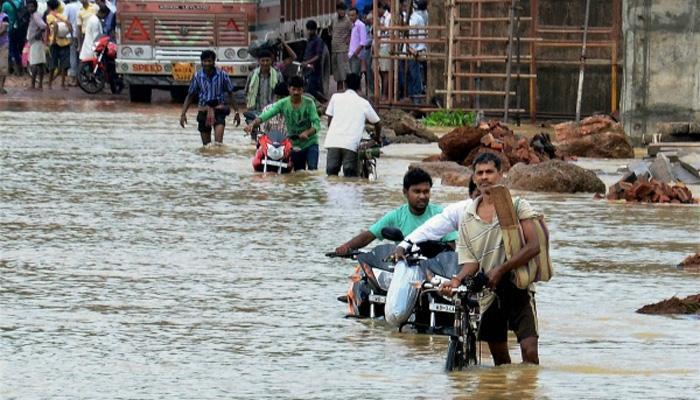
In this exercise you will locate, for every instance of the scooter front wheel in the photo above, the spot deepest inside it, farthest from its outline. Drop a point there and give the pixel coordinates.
(89, 80)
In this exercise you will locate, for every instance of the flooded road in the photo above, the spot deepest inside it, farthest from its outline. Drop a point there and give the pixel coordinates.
(134, 265)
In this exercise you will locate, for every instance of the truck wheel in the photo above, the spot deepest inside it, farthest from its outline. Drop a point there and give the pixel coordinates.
(178, 94)
(139, 94)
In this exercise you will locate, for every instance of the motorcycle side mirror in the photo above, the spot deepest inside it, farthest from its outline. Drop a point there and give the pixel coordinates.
(392, 233)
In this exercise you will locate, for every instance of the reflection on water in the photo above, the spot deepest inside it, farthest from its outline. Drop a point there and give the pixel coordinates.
(135, 264)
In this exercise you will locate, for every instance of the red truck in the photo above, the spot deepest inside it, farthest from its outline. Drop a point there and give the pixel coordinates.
(159, 42)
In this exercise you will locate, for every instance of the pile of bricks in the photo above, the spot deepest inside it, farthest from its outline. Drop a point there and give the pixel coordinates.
(645, 190)
(464, 144)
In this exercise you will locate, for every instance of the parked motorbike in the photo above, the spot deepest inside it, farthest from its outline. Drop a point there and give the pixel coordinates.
(94, 73)
(274, 153)
(373, 277)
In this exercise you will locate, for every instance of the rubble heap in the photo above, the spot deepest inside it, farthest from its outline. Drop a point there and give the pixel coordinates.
(657, 181)
(674, 305)
(598, 136)
(645, 190)
(464, 144)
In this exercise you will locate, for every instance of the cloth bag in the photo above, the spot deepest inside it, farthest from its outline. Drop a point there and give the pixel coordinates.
(402, 294)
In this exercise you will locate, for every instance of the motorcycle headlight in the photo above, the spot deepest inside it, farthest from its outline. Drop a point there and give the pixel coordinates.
(275, 153)
(242, 53)
(127, 51)
(229, 54)
(384, 279)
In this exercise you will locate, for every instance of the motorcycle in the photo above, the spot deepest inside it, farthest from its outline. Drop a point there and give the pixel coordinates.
(274, 152)
(101, 69)
(367, 154)
(367, 294)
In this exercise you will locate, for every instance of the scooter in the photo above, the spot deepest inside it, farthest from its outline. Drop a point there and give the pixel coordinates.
(274, 153)
(428, 312)
(95, 72)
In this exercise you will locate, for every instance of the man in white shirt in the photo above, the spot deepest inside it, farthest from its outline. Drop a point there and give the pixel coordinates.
(93, 30)
(416, 50)
(347, 113)
(71, 11)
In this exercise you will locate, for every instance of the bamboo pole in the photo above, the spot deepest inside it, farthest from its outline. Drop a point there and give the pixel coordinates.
(450, 51)
(506, 101)
(579, 94)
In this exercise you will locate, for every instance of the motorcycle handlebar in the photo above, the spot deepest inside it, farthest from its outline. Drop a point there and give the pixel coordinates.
(351, 254)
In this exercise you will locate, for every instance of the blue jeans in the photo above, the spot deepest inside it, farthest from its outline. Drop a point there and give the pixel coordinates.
(306, 159)
(415, 78)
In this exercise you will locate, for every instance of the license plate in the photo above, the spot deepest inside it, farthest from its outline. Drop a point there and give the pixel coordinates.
(183, 71)
(444, 308)
(375, 298)
(275, 163)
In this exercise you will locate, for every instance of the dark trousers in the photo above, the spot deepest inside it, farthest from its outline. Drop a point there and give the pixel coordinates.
(314, 86)
(338, 157)
(306, 159)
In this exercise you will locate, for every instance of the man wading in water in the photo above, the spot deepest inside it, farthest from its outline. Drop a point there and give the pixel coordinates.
(480, 248)
(211, 84)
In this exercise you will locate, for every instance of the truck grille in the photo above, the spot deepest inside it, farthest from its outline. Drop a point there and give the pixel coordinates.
(178, 53)
(177, 31)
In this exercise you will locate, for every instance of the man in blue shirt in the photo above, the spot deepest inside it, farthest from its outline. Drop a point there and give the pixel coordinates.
(417, 210)
(211, 85)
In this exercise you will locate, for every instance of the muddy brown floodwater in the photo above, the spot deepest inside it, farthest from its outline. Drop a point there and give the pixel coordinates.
(134, 265)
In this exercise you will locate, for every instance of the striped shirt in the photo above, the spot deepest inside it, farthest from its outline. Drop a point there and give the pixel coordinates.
(482, 242)
(211, 88)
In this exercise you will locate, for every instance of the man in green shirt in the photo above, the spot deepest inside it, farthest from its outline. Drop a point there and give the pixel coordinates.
(416, 187)
(303, 124)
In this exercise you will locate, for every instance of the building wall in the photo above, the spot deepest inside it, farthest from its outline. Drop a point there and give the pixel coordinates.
(661, 64)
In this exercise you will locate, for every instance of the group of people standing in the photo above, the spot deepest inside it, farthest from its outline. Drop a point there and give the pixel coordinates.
(55, 39)
(352, 43)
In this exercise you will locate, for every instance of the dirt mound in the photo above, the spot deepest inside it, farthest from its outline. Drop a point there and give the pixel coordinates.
(674, 305)
(404, 124)
(438, 169)
(553, 176)
(598, 136)
(691, 263)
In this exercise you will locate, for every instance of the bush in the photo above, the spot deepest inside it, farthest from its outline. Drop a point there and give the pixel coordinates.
(450, 118)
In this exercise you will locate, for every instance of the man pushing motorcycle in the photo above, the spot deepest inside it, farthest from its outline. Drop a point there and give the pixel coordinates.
(480, 248)
(416, 188)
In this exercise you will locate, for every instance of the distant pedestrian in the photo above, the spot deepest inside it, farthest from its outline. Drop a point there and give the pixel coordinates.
(211, 86)
(108, 22)
(37, 49)
(261, 83)
(288, 66)
(313, 55)
(340, 42)
(384, 49)
(60, 33)
(4, 50)
(92, 31)
(358, 40)
(416, 51)
(18, 16)
(347, 113)
(70, 11)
